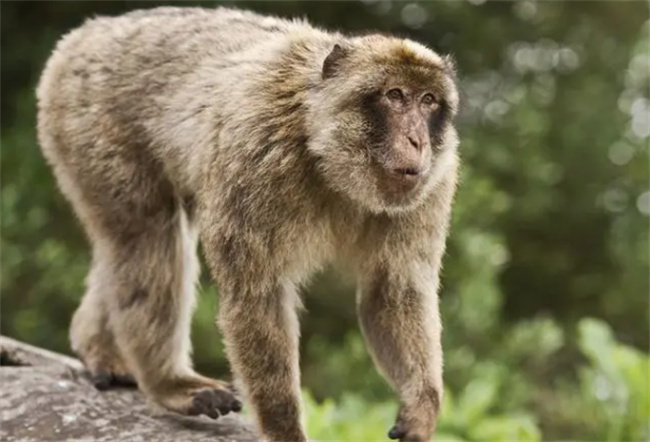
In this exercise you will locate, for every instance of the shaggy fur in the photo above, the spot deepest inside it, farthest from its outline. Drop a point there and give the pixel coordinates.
(273, 142)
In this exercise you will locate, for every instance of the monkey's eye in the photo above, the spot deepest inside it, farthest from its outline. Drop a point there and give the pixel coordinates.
(428, 99)
(395, 94)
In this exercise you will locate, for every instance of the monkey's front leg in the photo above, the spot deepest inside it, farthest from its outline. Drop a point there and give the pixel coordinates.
(260, 329)
(400, 319)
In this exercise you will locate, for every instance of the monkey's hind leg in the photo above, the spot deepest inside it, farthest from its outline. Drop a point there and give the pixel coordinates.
(155, 270)
(92, 338)
(138, 308)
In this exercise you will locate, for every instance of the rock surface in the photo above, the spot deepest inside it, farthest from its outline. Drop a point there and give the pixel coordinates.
(45, 397)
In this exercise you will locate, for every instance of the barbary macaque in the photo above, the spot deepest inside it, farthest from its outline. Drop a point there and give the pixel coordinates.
(281, 147)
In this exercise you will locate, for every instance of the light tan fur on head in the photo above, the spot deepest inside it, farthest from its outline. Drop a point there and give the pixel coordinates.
(283, 147)
(341, 132)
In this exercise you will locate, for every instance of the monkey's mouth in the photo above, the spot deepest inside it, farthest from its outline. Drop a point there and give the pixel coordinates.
(397, 183)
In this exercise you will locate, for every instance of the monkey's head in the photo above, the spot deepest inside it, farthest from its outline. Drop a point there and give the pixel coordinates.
(381, 121)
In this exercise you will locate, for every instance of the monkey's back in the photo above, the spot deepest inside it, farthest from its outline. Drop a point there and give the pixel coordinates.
(111, 83)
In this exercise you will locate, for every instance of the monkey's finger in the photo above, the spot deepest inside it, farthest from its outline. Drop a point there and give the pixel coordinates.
(124, 380)
(236, 405)
(396, 433)
(202, 403)
(230, 386)
(226, 402)
(102, 381)
(105, 380)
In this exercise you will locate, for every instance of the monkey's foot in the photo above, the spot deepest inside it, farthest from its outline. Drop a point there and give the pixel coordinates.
(198, 396)
(106, 373)
(105, 380)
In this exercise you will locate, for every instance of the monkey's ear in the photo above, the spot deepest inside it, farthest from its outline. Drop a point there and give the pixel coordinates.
(332, 61)
(450, 65)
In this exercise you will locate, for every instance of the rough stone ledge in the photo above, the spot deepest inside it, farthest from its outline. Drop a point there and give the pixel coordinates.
(45, 397)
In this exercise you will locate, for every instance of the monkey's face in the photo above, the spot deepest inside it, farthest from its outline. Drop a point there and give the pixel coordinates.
(401, 119)
(386, 137)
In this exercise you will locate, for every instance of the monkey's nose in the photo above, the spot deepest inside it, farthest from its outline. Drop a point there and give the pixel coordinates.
(414, 141)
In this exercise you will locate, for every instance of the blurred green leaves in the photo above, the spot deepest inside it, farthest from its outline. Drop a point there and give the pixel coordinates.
(613, 395)
(616, 383)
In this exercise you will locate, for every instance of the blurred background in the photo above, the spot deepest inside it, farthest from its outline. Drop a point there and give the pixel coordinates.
(545, 286)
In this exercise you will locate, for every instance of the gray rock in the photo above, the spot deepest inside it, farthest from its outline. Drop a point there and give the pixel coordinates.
(45, 397)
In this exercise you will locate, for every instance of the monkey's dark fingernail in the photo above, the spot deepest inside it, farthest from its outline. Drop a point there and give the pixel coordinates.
(236, 405)
(396, 433)
(212, 413)
(101, 381)
(125, 380)
(202, 404)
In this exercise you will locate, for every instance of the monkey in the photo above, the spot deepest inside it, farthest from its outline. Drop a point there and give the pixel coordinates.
(280, 147)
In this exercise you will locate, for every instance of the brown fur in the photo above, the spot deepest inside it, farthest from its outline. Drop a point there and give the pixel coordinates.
(170, 124)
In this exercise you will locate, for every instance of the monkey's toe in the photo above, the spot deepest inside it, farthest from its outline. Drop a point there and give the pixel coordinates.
(214, 403)
(105, 380)
(105, 368)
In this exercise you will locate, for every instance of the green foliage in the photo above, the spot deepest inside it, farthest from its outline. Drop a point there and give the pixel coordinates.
(343, 368)
(350, 419)
(616, 384)
(467, 419)
(472, 416)
(550, 225)
(611, 400)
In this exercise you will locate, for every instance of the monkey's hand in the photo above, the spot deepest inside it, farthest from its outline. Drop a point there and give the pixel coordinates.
(415, 423)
